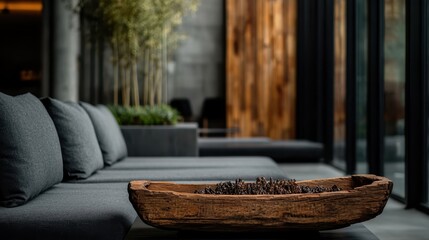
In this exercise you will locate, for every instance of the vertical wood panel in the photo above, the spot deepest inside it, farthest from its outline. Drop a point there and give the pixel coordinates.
(279, 57)
(290, 23)
(249, 70)
(261, 67)
(262, 105)
(232, 62)
(340, 71)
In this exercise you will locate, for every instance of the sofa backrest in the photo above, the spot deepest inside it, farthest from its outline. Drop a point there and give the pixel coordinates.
(79, 146)
(30, 152)
(42, 142)
(108, 133)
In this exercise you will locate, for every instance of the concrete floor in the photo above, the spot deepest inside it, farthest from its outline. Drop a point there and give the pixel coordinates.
(395, 223)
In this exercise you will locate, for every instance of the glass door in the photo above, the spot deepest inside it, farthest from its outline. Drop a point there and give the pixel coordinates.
(361, 85)
(394, 94)
(425, 198)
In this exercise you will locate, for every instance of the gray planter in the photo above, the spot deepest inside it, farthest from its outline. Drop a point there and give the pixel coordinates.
(177, 140)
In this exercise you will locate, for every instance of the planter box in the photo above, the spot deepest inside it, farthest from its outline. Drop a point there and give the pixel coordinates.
(175, 140)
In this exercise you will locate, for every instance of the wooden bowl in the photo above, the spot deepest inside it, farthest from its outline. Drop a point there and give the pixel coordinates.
(175, 206)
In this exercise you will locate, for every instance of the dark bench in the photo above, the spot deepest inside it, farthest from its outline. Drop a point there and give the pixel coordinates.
(280, 151)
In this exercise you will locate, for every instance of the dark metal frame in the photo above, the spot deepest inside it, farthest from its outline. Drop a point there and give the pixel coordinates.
(416, 115)
(414, 106)
(308, 54)
(328, 76)
(425, 78)
(315, 88)
(375, 130)
(351, 87)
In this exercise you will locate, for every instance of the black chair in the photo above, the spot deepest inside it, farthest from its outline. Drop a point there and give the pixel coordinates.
(213, 116)
(183, 106)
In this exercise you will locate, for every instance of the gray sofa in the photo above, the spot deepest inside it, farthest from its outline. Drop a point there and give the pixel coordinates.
(85, 200)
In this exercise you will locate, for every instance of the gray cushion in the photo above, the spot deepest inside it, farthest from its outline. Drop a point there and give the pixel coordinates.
(135, 163)
(79, 146)
(109, 134)
(72, 211)
(30, 153)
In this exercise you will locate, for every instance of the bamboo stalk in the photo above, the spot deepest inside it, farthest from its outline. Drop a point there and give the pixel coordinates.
(146, 78)
(152, 80)
(164, 67)
(128, 84)
(135, 83)
(124, 84)
(155, 20)
(159, 84)
(115, 77)
(127, 76)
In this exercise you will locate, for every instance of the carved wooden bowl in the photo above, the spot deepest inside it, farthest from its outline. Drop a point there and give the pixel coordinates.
(175, 206)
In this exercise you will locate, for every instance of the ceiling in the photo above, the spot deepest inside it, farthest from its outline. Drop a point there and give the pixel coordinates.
(11, 6)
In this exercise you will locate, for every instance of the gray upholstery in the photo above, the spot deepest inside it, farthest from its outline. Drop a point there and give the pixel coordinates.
(186, 174)
(71, 211)
(108, 133)
(134, 163)
(287, 150)
(79, 146)
(96, 207)
(30, 153)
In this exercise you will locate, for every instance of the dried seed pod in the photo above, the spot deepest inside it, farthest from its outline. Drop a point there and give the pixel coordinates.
(262, 186)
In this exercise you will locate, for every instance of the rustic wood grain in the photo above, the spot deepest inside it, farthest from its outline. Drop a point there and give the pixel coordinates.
(176, 206)
(340, 49)
(261, 67)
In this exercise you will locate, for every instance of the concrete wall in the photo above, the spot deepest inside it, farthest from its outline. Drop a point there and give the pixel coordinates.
(197, 69)
(65, 51)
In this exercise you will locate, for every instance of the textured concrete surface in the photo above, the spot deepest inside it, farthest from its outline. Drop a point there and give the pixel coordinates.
(197, 70)
(65, 53)
(178, 140)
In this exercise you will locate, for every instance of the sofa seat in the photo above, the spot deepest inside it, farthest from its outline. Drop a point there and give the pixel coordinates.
(179, 169)
(280, 151)
(185, 174)
(71, 211)
(98, 207)
(133, 163)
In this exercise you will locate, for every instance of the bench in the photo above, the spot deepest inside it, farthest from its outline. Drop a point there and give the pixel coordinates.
(280, 151)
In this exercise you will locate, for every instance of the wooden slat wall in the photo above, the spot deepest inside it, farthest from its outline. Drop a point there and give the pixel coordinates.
(261, 67)
(340, 70)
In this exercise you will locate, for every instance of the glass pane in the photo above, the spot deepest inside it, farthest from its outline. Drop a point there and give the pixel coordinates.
(426, 170)
(394, 94)
(361, 84)
(339, 83)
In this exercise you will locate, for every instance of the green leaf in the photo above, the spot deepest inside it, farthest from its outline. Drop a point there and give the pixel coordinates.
(146, 115)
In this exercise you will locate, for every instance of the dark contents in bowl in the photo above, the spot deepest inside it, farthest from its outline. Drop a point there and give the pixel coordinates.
(262, 186)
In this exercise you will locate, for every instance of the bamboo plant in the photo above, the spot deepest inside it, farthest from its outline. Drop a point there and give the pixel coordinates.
(141, 34)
